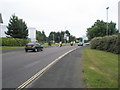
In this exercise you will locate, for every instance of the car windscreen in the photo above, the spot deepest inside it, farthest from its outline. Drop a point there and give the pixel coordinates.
(30, 43)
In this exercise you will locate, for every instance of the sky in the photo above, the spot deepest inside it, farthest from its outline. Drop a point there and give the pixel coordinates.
(60, 15)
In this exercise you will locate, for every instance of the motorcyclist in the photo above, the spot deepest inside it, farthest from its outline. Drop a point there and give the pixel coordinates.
(71, 43)
(60, 44)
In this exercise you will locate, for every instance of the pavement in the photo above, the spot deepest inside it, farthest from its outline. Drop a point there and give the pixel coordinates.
(66, 73)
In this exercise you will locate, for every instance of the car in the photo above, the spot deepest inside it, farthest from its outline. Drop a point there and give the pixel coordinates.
(34, 46)
(88, 43)
(80, 44)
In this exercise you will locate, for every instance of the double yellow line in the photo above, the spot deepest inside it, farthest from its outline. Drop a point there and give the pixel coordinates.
(41, 72)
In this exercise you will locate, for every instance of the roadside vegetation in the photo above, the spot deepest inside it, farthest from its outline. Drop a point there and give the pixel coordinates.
(107, 43)
(100, 69)
(18, 47)
(10, 47)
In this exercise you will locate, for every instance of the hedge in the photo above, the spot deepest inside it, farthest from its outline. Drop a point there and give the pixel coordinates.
(14, 42)
(107, 43)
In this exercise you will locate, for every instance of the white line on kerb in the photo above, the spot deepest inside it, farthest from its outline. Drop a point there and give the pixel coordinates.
(41, 72)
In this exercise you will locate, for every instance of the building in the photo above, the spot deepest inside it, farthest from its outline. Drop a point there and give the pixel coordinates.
(31, 32)
(119, 16)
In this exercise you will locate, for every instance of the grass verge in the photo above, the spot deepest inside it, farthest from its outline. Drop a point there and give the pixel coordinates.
(9, 47)
(100, 69)
(16, 47)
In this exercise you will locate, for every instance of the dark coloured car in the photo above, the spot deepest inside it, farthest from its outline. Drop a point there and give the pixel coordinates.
(34, 46)
(80, 44)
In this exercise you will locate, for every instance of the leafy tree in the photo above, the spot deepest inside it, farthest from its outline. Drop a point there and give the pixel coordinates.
(72, 38)
(44, 38)
(40, 36)
(59, 36)
(52, 36)
(17, 28)
(99, 29)
(112, 28)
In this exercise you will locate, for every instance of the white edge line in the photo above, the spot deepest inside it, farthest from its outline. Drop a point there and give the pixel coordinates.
(41, 72)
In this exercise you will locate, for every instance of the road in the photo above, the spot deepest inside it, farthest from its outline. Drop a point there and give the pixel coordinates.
(19, 66)
(66, 73)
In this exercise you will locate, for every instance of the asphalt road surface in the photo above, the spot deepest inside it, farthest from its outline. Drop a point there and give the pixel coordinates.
(66, 73)
(19, 66)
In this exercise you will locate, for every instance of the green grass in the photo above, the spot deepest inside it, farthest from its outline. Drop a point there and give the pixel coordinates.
(16, 47)
(100, 69)
(9, 47)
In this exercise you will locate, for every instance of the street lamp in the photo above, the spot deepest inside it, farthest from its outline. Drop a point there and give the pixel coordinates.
(1, 21)
(119, 16)
(107, 32)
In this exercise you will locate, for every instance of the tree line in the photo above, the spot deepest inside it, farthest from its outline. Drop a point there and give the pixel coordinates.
(17, 28)
(55, 36)
(99, 29)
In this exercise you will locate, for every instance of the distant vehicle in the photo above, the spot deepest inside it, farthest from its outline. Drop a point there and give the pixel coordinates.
(34, 46)
(71, 43)
(80, 44)
(88, 43)
(60, 44)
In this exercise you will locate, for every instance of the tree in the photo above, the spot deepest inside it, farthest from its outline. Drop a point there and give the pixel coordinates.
(72, 38)
(17, 28)
(44, 38)
(59, 36)
(99, 29)
(40, 36)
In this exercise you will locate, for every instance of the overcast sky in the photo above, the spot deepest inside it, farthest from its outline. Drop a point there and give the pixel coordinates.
(58, 15)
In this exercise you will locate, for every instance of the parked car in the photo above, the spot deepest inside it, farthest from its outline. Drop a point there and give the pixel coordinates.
(80, 44)
(36, 47)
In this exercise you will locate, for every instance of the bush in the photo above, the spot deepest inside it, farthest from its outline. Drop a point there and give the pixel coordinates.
(14, 42)
(107, 43)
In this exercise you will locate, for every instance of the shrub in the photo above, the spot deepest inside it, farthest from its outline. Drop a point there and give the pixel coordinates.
(14, 42)
(107, 43)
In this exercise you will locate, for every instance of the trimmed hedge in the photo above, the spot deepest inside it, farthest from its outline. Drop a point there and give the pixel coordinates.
(107, 43)
(14, 42)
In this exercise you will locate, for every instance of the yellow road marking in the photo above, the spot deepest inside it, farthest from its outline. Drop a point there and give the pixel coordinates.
(41, 72)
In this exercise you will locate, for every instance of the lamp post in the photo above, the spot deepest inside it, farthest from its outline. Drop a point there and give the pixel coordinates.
(107, 32)
(1, 21)
(119, 16)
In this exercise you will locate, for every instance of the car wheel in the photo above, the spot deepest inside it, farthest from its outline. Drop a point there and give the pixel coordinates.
(36, 50)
